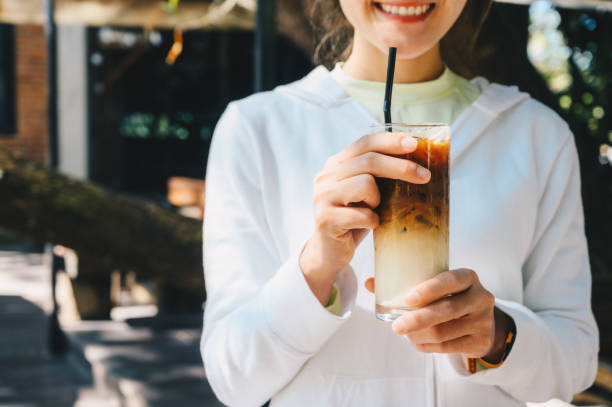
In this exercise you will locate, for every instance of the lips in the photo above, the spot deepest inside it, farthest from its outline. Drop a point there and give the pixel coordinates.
(405, 11)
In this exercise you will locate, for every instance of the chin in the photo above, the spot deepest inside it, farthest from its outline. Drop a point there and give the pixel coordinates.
(407, 49)
(411, 53)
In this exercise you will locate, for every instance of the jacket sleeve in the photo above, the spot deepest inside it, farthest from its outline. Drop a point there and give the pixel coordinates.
(261, 321)
(556, 345)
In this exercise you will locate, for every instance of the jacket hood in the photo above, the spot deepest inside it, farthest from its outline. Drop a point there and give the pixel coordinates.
(319, 88)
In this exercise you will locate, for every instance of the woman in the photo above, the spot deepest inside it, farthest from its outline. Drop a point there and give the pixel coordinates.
(276, 243)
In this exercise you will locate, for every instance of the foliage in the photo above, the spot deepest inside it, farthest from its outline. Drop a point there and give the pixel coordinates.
(585, 105)
(110, 230)
(587, 101)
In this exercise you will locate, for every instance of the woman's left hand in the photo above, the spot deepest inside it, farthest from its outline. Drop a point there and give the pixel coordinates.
(454, 314)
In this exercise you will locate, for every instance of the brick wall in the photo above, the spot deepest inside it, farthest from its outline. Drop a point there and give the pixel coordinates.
(31, 93)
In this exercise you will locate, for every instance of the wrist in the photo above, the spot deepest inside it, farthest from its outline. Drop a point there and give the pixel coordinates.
(503, 324)
(320, 279)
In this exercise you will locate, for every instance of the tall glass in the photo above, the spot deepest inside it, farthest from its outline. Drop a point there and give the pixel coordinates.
(411, 243)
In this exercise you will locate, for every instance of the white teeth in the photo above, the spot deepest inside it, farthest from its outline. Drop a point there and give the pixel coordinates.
(404, 11)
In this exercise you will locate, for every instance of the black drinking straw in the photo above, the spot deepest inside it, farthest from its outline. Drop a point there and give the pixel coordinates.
(389, 89)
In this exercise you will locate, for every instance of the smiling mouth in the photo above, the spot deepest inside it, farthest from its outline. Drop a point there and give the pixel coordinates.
(406, 11)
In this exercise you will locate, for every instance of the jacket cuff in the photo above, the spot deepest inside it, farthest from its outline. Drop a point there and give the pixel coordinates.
(335, 303)
(526, 351)
(296, 316)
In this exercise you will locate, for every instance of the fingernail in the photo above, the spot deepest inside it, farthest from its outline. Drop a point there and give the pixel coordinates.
(399, 326)
(409, 143)
(412, 298)
(423, 172)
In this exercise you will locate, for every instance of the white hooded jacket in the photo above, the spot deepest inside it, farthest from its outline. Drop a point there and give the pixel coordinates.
(516, 219)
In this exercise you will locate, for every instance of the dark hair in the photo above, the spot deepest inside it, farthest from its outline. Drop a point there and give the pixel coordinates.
(334, 34)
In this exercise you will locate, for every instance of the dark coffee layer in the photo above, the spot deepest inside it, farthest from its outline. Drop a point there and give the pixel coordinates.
(416, 206)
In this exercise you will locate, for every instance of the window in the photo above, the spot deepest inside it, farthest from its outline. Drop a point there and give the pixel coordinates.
(8, 123)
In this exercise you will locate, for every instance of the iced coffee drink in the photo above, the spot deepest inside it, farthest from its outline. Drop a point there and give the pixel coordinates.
(411, 243)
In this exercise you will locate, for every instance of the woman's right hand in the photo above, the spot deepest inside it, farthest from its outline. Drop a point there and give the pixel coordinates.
(345, 194)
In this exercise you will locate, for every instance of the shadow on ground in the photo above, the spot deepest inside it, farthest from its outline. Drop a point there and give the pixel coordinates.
(29, 375)
(152, 367)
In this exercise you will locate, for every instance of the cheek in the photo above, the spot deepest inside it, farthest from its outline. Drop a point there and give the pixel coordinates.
(458, 6)
(452, 12)
(355, 11)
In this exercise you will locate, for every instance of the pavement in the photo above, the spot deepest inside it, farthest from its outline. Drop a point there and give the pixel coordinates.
(146, 366)
(138, 362)
(29, 374)
(149, 362)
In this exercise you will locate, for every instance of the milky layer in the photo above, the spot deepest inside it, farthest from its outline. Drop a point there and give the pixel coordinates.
(411, 243)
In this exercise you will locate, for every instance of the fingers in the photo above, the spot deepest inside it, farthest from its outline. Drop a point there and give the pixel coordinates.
(461, 321)
(385, 166)
(386, 143)
(334, 209)
(469, 335)
(336, 221)
(442, 285)
(458, 345)
(455, 315)
(446, 309)
(443, 332)
(360, 188)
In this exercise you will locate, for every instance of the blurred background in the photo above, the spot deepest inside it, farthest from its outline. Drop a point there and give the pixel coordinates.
(107, 109)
